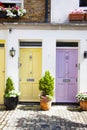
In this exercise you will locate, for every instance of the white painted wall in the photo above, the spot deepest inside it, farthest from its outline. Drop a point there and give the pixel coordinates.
(3, 34)
(61, 8)
(48, 39)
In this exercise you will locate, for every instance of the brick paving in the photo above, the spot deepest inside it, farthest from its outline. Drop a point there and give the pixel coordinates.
(31, 117)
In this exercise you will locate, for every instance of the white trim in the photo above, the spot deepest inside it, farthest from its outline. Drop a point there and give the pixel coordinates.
(11, 1)
(30, 47)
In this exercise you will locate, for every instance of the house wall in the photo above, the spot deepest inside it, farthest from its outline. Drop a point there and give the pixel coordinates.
(35, 12)
(48, 39)
(61, 8)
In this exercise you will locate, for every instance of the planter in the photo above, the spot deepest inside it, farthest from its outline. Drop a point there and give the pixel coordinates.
(86, 16)
(10, 102)
(76, 17)
(3, 14)
(83, 105)
(45, 105)
(7, 19)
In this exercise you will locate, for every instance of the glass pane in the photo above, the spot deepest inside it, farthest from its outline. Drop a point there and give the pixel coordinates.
(83, 3)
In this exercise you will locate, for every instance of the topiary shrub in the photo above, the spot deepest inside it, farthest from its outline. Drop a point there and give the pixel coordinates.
(9, 85)
(46, 85)
(11, 96)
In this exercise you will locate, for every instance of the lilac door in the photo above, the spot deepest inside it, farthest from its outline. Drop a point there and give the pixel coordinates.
(66, 75)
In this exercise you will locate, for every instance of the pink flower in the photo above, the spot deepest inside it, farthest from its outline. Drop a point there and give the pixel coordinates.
(77, 11)
(17, 8)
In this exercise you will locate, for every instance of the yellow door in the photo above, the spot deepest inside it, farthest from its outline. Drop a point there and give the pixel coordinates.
(2, 71)
(30, 73)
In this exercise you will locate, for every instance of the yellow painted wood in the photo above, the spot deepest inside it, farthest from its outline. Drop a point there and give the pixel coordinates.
(2, 71)
(30, 70)
(2, 41)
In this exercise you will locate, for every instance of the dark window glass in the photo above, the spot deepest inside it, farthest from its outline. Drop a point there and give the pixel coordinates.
(8, 5)
(66, 44)
(1, 45)
(83, 3)
(30, 44)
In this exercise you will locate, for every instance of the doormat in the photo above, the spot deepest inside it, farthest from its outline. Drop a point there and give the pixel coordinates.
(74, 108)
(29, 107)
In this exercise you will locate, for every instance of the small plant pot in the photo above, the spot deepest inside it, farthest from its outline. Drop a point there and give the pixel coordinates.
(10, 102)
(83, 105)
(45, 105)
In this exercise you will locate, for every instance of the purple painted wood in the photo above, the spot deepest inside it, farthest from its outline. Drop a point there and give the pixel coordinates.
(66, 75)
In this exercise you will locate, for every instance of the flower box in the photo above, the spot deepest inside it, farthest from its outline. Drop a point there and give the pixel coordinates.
(86, 16)
(3, 14)
(13, 12)
(76, 17)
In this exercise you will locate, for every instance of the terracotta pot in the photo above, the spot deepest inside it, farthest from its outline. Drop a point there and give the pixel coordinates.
(86, 16)
(45, 105)
(83, 105)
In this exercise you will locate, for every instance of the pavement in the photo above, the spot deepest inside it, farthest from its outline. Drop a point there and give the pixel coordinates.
(31, 117)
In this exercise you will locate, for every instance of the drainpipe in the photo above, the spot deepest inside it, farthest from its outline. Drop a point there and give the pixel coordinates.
(46, 11)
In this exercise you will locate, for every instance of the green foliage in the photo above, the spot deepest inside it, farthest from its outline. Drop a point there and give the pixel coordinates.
(46, 84)
(82, 96)
(9, 85)
(10, 90)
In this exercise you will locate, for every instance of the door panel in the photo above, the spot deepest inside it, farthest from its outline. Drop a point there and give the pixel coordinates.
(2, 73)
(30, 73)
(66, 75)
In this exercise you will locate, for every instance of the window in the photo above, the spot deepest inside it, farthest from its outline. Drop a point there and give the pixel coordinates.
(10, 3)
(67, 44)
(82, 3)
(29, 44)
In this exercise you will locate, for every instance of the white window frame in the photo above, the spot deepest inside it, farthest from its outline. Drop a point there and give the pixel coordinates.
(11, 1)
(14, 1)
(83, 7)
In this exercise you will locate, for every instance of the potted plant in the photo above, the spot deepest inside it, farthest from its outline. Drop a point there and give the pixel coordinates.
(3, 12)
(76, 15)
(13, 12)
(82, 98)
(46, 86)
(11, 96)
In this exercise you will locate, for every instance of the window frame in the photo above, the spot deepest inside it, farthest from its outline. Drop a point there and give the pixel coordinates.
(21, 3)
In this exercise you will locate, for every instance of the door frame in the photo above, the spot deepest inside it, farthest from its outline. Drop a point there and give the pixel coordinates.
(78, 66)
(4, 42)
(30, 47)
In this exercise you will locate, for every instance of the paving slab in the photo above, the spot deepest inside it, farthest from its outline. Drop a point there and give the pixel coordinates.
(31, 117)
